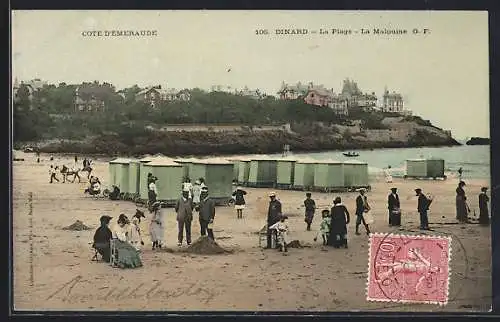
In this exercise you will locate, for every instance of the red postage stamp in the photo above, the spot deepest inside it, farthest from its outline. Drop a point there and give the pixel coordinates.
(409, 269)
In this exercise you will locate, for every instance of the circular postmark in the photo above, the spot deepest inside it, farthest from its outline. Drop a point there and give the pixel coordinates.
(409, 268)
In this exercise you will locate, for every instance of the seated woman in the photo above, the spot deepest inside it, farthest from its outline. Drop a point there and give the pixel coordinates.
(126, 255)
(102, 238)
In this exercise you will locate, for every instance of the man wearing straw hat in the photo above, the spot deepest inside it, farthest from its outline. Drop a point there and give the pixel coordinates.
(274, 214)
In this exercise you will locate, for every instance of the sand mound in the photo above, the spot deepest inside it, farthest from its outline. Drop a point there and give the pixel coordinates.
(77, 225)
(294, 244)
(206, 246)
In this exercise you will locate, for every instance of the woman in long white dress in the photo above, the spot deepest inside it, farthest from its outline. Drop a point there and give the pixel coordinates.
(156, 226)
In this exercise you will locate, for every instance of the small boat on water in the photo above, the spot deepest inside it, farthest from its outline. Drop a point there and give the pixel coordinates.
(350, 154)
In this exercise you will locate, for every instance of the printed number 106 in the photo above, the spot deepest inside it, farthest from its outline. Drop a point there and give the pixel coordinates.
(261, 32)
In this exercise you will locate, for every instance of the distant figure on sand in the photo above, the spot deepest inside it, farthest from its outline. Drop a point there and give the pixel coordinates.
(239, 201)
(156, 226)
(460, 171)
(52, 173)
(188, 186)
(310, 206)
(274, 214)
(484, 218)
(206, 211)
(422, 208)
(387, 174)
(102, 238)
(184, 209)
(361, 207)
(394, 208)
(152, 191)
(196, 192)
(324, 227)
(461, 203)
(135, 235)
(338, 227)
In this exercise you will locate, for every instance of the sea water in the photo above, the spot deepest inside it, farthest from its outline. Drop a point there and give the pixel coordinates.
(474, 160)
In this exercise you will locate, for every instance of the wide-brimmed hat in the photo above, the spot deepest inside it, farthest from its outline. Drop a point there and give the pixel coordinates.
(325, 211)
(197, 182)
(272, 194)
(484, 188)
(362, 190)
(394, 189)
(462, 183)
(418, 190)
(156, 204)
(204, 189)
(105, 218)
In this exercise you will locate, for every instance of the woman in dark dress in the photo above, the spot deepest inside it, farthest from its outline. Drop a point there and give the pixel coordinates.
(102, 238)
(484, 218)
(461, 203)
(239, 201)
(339, 221)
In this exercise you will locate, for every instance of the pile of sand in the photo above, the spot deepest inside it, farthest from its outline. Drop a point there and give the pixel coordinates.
(77, 225)
(206, 246)
(294, 244)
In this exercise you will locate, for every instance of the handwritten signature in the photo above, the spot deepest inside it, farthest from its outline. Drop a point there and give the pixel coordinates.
(76, 291)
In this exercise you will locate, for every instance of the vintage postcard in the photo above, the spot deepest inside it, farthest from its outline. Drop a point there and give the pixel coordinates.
(251, 161)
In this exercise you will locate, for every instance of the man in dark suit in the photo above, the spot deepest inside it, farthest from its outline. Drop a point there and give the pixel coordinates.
(394, 208)
(274, 214)
(361, 208)
(422, 208)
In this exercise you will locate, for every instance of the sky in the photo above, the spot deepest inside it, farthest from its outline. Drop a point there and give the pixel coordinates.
(442, 75)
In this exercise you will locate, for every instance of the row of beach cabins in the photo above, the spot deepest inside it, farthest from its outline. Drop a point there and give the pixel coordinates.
(306, 174)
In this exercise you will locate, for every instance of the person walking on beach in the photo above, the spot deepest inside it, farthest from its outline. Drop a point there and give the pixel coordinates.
(461, 203)
(239, 201)
(184, 209)
(423, 208)
(394, 208)
(52, 173)
(339, 221)
(460, 171)
(274, 214)
(361, 207)
(310, 206)
(156, 226)
(484, 218)
(206, 211)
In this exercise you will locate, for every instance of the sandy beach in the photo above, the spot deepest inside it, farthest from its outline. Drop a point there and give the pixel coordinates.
(53, 268)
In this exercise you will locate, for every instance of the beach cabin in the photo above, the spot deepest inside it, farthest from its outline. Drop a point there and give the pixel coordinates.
(236, 167)
(425, 168)
(118, 173)
(304, 174)
(356, 174)
(218, 175)
(329, 176)
(262, 173)
(170, 175)
(243, 171)
(285, 171)
(186, 166)
(134, 176)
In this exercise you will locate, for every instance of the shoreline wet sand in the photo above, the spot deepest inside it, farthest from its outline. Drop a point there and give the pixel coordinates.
(249, 279)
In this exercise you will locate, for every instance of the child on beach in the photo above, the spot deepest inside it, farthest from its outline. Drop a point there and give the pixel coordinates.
(281, 230)
(324, 228)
